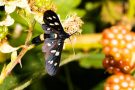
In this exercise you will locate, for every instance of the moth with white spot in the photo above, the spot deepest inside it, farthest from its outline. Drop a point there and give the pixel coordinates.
(53, 41)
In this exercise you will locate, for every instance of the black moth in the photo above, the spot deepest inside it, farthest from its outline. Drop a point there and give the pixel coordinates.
(53, 41)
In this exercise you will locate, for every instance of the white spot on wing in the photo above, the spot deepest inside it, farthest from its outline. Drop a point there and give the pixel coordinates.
(48, 61)
(48, 29)
(51, 24)
(49, 18)
(55, 64)
(58, 43)
(53, 51)
(48, 44)
(51, 62)
(55, 35)
(54, 17)
(57, 53)
(56, 23)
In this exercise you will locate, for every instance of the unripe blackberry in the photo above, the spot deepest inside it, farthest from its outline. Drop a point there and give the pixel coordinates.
(116, 66)
(119, 43)
(120, 82)
(118, 37)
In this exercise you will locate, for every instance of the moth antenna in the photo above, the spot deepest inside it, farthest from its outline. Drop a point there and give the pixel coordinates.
(72, 46)
(73, 33)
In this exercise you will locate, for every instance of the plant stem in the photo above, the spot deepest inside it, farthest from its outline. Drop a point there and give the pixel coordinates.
(25, 48)
(70, 86)
(29, 35)
(85, 42)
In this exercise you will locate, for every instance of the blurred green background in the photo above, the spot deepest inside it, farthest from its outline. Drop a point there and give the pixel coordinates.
(83, 71)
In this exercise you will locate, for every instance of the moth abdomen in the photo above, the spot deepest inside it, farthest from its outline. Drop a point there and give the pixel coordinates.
(39, 39)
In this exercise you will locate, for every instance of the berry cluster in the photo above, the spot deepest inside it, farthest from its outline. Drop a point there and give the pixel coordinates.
(119, 48)
(118, 45)
(116, 66)
(120, 82)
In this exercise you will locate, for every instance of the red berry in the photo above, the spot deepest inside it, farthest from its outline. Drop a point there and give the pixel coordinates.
(118, 37)
(119, 43)
(116, 66)
(120, 82)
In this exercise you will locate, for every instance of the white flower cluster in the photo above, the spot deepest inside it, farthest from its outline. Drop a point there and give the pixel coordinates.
(7, 22)
(10, 7)
(72, 24)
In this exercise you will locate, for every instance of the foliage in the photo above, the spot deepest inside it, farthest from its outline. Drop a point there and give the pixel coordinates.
(22, 63)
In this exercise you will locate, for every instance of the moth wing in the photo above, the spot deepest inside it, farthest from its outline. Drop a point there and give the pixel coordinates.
(52, 20)
(47, 29)
(52, 48)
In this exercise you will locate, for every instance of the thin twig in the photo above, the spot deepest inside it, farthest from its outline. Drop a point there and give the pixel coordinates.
(7, 69)
(24, 85)
(21, 54)
(85, 42)
(73, 58)
(69, 81)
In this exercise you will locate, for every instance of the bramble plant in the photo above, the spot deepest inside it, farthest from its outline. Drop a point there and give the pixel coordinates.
(31, 12)
(104, 45)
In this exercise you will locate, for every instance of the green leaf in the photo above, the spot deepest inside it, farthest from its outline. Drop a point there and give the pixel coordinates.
(65, 7)
(3, 32)
(80, 12)
(69, 3)
(94, 60)
(99, 86)
(110, 12)
(91, 6)
(9, 83)
(3, 57)
(88, 27)
(19, 19)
